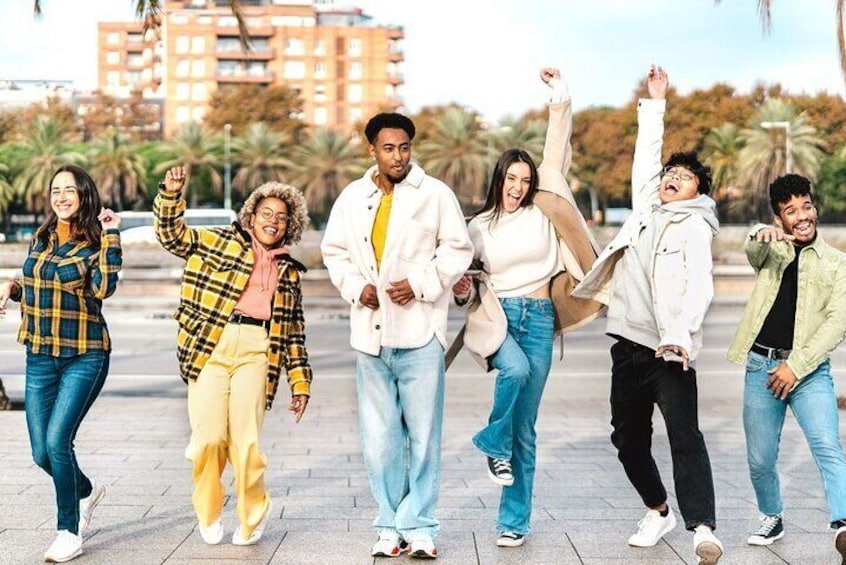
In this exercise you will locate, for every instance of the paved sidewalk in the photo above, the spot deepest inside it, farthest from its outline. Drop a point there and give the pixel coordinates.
(134, 438)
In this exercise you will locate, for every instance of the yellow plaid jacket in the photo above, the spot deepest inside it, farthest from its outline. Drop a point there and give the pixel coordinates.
(61, 294)
(218, 266)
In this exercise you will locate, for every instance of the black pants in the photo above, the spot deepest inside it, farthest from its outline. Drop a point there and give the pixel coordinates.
(639, 380)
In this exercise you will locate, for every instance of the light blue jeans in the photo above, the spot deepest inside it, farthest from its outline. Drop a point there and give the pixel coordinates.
(400, 411)
(523, 363)
(815, 406)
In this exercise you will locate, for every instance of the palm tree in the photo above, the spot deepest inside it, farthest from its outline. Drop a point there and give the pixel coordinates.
(721, 152)
(764, 156)
(456, 153)
(322, 165)
(45, 149)
(194, 148)
(527, 135)
(260, 154)
(118, 170)
(7, 191)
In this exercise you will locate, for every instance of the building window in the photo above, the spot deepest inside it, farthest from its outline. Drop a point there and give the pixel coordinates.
(294, 69)
(320, 93)
(257, 69)
(320, 116)
(319, 47)
(179, 20)
(183, 43)
(183, 91)
(133, 77)
(134, 59)
(198, 68)
(197, 113)
(227, 21)
(183, 114)
(198, 45)
(182, 68)
(294, 46)
(355, 48)
(113, 38)
(355, 93)
(113, 78)
(227, 68)
(355, 71)
(286, 21)
(198, 92)
(113, 57)
(134, 38)
(320, 70)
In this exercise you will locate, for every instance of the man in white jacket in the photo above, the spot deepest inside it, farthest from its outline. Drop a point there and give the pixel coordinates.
(656, 278)
(394, 245)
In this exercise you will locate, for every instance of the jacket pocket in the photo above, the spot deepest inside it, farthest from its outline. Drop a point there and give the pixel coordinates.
(218, 263)
(418, 243)
(189, 318)
(72, 272)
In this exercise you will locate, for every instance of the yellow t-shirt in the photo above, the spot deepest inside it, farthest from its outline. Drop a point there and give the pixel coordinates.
(380, 226)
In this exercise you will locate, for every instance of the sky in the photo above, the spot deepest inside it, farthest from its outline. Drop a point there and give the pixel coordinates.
(486, 54)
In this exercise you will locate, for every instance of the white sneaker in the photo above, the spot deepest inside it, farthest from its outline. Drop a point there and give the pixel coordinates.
(389, 544)
(213, 533)
(652, 528)
(510, 539)
(65, 547)
(88, 504)
(423, 548)
(237, 538)
(706, 545)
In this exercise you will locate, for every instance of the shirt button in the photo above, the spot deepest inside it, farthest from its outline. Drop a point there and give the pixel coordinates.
(378, 327)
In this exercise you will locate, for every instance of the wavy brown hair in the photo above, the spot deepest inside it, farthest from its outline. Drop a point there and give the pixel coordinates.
(84, 224)
(297, 211)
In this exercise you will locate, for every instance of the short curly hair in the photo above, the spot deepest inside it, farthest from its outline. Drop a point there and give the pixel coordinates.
(297, 211)
(786, 187)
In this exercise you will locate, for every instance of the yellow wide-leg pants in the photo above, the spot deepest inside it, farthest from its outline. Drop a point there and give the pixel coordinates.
(226, 406)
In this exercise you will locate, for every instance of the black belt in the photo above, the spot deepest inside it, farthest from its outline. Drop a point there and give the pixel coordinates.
(770, 352)
(237, 318)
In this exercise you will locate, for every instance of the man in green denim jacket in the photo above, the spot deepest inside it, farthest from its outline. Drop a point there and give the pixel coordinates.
(793, 321)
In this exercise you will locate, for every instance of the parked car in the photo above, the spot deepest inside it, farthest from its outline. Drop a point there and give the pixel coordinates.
(137, 227)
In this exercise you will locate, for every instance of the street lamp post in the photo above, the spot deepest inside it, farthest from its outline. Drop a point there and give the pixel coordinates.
(227, 167)
(785, 125)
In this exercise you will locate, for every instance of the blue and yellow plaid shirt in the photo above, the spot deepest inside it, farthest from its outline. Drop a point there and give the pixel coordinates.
(61, 294)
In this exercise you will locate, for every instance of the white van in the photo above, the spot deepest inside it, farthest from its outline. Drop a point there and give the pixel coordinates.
(137, 227)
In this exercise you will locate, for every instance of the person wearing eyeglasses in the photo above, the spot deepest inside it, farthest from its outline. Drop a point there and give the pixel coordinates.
(656, 277)
(241, 328)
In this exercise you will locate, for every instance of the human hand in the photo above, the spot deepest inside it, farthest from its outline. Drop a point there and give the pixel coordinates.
(771, 234)
(657, 83)
(462, 287)
(678, 350)
(549, 73)
(400, 292)
(5, 293)
(782, 380)
(369, 297)
(108, 219)
(175, 178)
(298, 406)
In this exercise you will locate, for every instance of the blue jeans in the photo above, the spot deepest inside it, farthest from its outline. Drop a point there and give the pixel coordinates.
(815, 406)
(523, 363)
(400, 410)
(59, 392)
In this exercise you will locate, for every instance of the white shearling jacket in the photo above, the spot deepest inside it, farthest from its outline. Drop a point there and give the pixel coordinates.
(427, 243)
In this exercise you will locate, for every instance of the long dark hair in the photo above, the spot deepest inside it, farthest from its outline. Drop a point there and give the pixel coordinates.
(493, 201)
(84, 224)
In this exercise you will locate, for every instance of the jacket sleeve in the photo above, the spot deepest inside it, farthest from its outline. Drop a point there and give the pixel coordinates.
(299, 371)
(698, 290)
(557, 151)
(337, 257)
(758, 252)
(104, 270)
(453, 253)
(646, 168)
(805, 359)
(171, 231)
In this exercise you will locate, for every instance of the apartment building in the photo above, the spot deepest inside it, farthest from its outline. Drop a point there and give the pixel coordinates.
(344, 65)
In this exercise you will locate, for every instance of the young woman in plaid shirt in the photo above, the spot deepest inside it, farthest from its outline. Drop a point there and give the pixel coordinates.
(72, 266)
(240, 328)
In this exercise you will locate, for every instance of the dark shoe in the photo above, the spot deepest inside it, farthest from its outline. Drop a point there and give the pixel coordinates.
(770, 530)
(840, 543)
(499, 471)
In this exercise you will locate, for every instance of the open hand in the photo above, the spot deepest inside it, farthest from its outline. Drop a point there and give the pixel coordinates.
(5, 293)
(657, 82)
(175, 179)
(549, 73)
(772, 234)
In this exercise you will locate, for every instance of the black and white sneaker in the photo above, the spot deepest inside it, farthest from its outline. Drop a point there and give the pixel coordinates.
(510, 539)
(499, 471)
(770, 530)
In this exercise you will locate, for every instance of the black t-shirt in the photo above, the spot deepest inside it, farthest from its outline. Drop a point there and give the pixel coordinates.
(777, 330)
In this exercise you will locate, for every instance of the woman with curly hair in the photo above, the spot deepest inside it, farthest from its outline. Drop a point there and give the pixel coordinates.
(240, 325)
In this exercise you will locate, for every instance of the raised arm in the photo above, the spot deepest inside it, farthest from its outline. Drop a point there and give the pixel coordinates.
(557, 151)
(646, 168)
(168, 211)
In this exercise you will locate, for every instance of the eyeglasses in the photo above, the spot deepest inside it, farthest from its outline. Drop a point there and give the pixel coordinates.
(266, 214)
(679, 173)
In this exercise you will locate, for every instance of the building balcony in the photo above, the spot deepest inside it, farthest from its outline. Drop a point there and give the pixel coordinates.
(255, 31)
(266, 77)
(396, 32)
(395, 55)
(265, 54)
(395, 78)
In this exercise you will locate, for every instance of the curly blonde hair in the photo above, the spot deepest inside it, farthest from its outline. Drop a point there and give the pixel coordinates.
(297, 211)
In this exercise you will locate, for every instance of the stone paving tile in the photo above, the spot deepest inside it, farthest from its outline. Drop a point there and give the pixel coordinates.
(341, 549)
(27, 516)
(193, 547)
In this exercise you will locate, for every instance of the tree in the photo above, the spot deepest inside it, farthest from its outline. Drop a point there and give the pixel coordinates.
(764, 156)
(260, 156)
(322, 165)
(195, 149)
(830, 188)
(277, 106)
(455, 153)
(118, 170)
(528, 135)
(45, 149)
(58, 112)
(7, 191)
